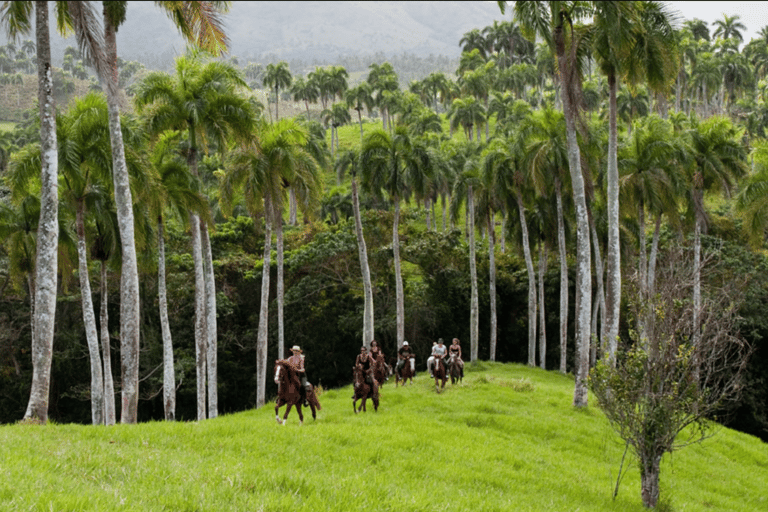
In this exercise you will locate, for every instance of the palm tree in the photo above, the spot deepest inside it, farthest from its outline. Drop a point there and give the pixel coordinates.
(466, 112)
(385, 161)
(277, 76)
(306, 91)
(16, 17)
(337, 115)
(553, 22)
(360, 97)
(718, 160)
(474, 40)
(202, 99)
(382, 79)
(260, 170)
(350, 162)
(729, 28)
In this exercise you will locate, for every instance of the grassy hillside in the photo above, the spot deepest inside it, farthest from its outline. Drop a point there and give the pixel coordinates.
(506, 439)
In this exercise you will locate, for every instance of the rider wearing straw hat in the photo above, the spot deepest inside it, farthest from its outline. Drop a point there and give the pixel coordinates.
(297, 362)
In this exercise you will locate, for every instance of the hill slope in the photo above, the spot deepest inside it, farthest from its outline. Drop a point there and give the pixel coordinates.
(505, 439)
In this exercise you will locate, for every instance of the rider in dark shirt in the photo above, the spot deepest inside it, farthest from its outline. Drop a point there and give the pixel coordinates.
(365, 360)
(455, 349)
(404, 354)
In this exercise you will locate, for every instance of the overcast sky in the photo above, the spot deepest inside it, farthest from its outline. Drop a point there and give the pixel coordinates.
(754, 15)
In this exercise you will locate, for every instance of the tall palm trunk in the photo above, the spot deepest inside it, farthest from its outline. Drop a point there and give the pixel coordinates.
(531, 283)
(89, 320)
(46, 260)
(261, 337)
(492, 282)
(563, 277)
(599, 307)
(106, 351)
(543, 253)
(362, 251)
(201, 337)
(474, 321)
(210, 321)
(399, 294)
(280, 287)
(613, 252)
(583, 251)
(129, 279)
(169, 377)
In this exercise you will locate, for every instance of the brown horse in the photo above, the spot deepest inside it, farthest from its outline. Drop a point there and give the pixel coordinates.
(363, 390)
(454, 369)
(381, 370)
(440, 374)
(289, 392)
(405, 373)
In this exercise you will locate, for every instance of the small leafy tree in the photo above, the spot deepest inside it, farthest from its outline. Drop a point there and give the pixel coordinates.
(664, 392)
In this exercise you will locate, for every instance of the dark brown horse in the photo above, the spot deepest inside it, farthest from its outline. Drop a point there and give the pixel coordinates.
(363, 390)
(440, 374)
(454, 369)
(289, 393)
(405, 373)
(381, 370)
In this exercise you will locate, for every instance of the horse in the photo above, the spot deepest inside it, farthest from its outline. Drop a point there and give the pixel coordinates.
(363, 391)
(381, 370)
(454, 369)
(405, 373)
(440, 374)
(289, 392)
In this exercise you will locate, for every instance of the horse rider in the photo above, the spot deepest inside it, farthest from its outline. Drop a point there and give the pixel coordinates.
(455, 349)
(375, 352)
(297, 363)
(365, 360)
(404, 353)
(438, 352)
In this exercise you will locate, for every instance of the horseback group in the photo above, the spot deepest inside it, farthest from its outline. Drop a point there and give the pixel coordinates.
(369, 372)
(445, 362)
(293, 389)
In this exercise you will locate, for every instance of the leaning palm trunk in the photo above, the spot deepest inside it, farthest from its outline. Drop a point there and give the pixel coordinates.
(46, 260)
(362, 251)
(563, 277)
(210, 321)
(473, 306)
(492, 282)
(261, 337)
(531, 284)
(169, 377)
(201, 337)
(129, 279)
(543, 253)
(106, 351)
(399, 294)
(89, 320)
(613, 251)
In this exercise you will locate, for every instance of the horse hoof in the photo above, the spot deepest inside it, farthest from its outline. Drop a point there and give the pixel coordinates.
(278, 420)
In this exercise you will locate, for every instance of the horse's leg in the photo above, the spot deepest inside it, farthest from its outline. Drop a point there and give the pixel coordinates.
(277, 412)
(354, 404)
(301, 415)
(287, 410)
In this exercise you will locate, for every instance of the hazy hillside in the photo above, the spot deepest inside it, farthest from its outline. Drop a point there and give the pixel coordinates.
(311, 31)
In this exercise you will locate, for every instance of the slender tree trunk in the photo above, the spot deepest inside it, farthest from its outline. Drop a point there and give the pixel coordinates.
(613, 251)
(211, 346)
(89, 320)
(201, 336)
(362, 251)
(531, 283)
(697, 275)
(399, 294)
(292, 206)
(169, 376)
(46, 260)
(129, 280)
(261, 339)
(583, 250)
(563, 277)
(492, 283)
(651, 286)
(649, 480)
(110, 416)
(599, 296)
(474, 308)
(542, 314)
(642, 268)
(280, 287)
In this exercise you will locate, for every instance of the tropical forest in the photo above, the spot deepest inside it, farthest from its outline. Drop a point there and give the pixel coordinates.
(580, 199)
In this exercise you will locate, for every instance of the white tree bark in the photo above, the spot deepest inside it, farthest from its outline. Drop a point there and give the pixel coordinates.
(399, 294)
(280, 288)
(362, 251)
(201, 333)
(563, 277)
(169, 375)
(531, 283)
(129, 279)
(110, 416)
(89, 320)
(211, 347)
(613, 251)
(492, 283)
(46, 260)
(474, 321)
(261, 339)
(543, 253)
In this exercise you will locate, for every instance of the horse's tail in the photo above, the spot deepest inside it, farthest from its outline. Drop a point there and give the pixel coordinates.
(313, 400)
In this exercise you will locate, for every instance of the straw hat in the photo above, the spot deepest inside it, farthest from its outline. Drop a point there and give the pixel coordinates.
(295, 348)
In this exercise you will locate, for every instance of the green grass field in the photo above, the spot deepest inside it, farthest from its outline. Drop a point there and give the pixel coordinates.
(506, 439)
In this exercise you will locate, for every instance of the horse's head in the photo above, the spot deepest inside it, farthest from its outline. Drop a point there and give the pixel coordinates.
(278, 371)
